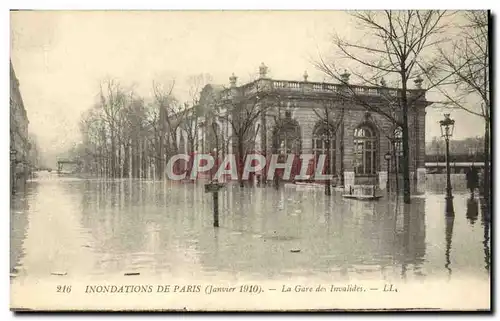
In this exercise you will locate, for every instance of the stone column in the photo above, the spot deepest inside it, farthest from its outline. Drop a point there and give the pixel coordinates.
(421, 149)
(350, 122)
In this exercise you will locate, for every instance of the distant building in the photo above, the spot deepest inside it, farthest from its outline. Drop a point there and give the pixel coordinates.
(470, 148)
(19, 140)
(302, 117)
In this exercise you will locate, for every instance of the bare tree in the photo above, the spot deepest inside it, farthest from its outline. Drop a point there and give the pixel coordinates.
(168, 120)
(242, 113)
(467, 59)
(191, 115)
(196, 83)
(112, 100)
(137, 129)
(396, 47)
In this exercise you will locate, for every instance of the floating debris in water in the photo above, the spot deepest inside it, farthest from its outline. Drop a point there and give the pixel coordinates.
(295, 250)
(59, 273)
(281, 237)
(132, 273)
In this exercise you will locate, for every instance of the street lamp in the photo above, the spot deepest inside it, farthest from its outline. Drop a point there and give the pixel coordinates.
(447, 127)
(387, 158)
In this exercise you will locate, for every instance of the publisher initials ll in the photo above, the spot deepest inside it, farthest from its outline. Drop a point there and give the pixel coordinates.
(390, 288)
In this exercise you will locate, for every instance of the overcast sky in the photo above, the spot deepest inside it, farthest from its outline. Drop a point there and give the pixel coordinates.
(60, 57)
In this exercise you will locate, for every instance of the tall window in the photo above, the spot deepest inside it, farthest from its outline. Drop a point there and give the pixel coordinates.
(398, 150)
(323, 137)
(364, 151)
(286, 137)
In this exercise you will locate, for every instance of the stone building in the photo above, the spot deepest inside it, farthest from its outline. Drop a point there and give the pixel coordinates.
(302, 117)
(19, 139)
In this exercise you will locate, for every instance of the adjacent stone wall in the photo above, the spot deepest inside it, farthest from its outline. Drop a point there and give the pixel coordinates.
(19, 141)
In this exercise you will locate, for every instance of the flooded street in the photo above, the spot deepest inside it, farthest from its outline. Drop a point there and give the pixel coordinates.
(76, 227)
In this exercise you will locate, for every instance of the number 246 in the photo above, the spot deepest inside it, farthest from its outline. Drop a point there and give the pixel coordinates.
(64, 288)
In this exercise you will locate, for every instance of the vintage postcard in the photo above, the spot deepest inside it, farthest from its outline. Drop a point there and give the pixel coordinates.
(250, 160)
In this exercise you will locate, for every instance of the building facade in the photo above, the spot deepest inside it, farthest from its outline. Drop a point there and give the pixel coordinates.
(19, 138)
(355, 126)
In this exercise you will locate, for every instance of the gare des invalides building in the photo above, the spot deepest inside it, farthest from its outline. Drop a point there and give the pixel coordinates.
(302, 117)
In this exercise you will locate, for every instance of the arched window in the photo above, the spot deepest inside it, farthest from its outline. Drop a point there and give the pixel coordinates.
(365, 151)
(398, 150)
(286, 137)
(324, 138)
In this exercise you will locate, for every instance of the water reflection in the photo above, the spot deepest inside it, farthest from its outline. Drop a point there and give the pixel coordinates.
(485, 220)
(411, 233)
(450, 220)
(113, 227)
(436, 183)
(472, 210)
(332, 234)
(19, 209)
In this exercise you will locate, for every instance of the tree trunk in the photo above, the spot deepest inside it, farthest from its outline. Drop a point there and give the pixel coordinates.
(406, 158)
(486, 179)
(395, 166)
(417, 145)
(264, 147)
(159, 158)
(241, 159)
(135, 159)
(126, 160)
(161, 152)
(113, 153)
(342, 182)
(141, 160)
(328, 190)
(120, 165)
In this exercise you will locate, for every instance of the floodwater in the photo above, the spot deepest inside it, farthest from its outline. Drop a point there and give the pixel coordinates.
(70, 226)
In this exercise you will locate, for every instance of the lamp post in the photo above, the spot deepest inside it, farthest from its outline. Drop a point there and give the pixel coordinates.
(447, 127)
(387, 158)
